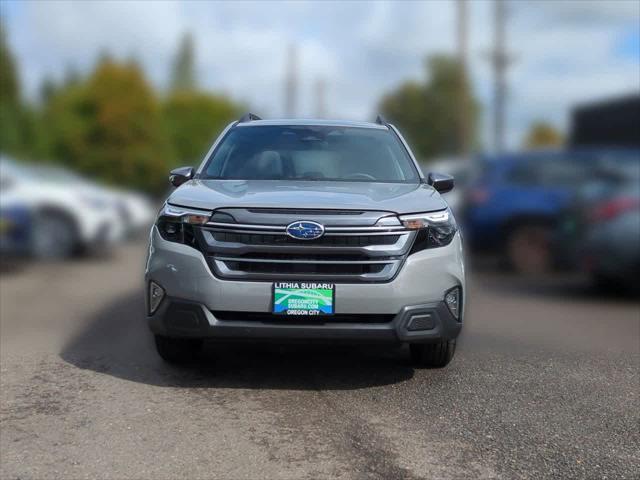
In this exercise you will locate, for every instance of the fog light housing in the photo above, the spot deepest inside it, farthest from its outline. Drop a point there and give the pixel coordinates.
(452, 299)
(156, 294)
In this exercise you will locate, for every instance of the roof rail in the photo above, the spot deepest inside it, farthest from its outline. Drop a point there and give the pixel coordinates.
(248, 117)
(380, 120)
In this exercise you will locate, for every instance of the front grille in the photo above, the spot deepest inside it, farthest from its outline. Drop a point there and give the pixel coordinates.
(227, 316)
(303, 269)
(345, 254)
(335, 241)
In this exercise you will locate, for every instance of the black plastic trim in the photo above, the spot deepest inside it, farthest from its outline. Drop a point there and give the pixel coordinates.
(187, 319)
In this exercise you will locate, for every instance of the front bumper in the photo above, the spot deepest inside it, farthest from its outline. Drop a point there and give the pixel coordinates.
(193, 293)
(177, 318)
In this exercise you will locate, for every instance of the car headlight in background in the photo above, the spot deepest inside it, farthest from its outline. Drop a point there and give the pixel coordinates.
(176, 224)
(435, 229)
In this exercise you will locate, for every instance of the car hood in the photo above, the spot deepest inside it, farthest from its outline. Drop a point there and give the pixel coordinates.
(391, 197)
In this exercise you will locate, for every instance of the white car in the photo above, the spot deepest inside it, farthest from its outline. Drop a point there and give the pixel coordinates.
(136, 210)
(67, 216)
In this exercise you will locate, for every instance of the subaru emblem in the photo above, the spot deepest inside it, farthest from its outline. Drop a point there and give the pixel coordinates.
(305, 230)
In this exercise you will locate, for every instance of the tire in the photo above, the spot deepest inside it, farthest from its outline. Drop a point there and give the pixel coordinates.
(178, 350)
(54, 236)
(432, 355)
(528, 249)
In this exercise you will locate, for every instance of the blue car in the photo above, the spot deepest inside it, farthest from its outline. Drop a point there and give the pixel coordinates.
(15, 231)
(514, 204)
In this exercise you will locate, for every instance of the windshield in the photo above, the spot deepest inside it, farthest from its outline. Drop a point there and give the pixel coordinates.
(311, 153)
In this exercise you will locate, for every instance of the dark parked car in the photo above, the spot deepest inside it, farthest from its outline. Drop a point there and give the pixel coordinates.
(15, 231)
(600, 232)
(513, 206)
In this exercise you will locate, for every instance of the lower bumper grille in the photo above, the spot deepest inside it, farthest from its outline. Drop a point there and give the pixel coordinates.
(229, 316)
(300, 270)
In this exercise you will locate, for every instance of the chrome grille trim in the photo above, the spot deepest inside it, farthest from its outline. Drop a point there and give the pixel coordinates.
(282, 228)
(322, 262)
(245, 226)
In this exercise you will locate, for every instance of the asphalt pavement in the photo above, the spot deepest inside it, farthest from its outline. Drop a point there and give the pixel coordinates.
(545, 384)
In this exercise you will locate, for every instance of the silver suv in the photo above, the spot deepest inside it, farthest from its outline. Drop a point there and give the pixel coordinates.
(306, 230)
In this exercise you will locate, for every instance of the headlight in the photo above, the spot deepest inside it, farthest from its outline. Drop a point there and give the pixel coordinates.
(435, 229)
(175, 224)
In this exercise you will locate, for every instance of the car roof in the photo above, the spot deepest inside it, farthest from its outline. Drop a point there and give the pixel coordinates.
(575, 153)
(311, 122)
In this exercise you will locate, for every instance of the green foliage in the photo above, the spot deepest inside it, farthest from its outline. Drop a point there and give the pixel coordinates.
(111, 127)
(10, 137)
(193, 120)
(10, 89)
(542, 134)
(429, 113)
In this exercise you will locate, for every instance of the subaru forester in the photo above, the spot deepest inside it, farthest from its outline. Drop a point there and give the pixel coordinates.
(307, 230)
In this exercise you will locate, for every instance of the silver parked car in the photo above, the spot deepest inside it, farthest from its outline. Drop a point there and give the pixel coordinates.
(307, 230)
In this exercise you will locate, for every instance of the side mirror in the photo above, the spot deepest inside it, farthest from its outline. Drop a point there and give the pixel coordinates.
(442, 183)
(178, 176)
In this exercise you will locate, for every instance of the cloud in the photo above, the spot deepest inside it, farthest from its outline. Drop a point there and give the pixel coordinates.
(566, 51)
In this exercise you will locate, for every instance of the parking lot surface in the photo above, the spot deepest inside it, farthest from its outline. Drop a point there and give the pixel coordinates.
(545, 384)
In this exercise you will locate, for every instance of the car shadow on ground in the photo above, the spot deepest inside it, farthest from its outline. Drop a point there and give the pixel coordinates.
(117, 342)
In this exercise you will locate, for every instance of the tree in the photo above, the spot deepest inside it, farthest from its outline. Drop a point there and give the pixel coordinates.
(10, 139)
(193, 119)
(110, 126)
(183, 77)
(47, 89)
(542, 134)
(428, 112)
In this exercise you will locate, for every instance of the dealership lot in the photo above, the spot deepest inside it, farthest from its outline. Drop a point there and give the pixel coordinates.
(545, 384)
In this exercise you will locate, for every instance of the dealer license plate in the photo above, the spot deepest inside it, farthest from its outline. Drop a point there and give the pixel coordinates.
(304, 298)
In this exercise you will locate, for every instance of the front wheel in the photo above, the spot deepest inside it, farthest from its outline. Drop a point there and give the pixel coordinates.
(432, 355)
(178, 350)
(54, 236)
(528, 249)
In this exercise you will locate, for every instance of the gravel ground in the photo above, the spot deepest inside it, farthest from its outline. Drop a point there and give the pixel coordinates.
(545, 384)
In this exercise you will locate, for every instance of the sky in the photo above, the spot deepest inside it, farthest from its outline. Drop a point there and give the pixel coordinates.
(564, 52)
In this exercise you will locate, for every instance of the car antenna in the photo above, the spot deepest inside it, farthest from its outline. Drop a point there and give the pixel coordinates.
(380, 120)
(249, 117)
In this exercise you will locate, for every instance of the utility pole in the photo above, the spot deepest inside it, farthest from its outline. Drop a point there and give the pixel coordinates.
(291, 82)
(500, 60)
(463, 100)
(321, 109)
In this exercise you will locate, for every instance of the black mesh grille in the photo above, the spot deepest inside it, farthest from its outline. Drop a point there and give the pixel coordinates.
(265, 317)
(305, 268)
